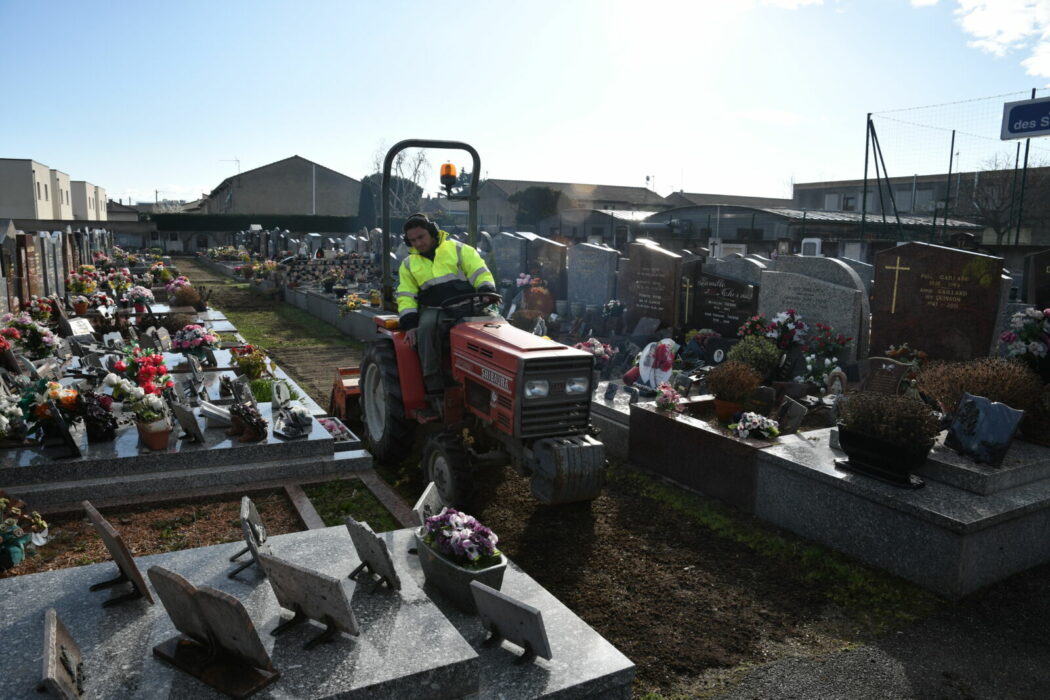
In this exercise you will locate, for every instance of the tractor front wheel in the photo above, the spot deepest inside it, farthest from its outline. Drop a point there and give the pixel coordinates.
(387, 432)
(447, 464)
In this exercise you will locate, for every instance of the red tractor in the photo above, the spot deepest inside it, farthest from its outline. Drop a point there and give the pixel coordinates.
(515, 397)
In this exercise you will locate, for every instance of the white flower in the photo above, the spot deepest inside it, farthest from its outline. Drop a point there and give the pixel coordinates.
(1037, 348)
(154, 402)
(1017, 322)
(1033, 313)
(111, 380)
(136, 393)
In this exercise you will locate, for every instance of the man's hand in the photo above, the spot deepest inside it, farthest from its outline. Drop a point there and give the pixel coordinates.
(487, 300)
(410, 337)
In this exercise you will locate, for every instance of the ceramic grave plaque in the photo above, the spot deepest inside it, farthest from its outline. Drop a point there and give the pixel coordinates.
(254, 536)
(163, 339)
(790, 415)
(510, 619)
(225, 652)
(940, 300)
(373, 553)
(429, 503)
(113, 340)
(63, 675)
(281, 394)
(983, 429)
(311, 595)
(885, 375)
(129, 570)
(191, 429)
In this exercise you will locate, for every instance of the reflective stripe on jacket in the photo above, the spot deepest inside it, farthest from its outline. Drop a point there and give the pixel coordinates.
(454, 262)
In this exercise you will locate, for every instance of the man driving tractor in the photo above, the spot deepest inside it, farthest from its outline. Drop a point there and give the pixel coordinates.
(436, 269)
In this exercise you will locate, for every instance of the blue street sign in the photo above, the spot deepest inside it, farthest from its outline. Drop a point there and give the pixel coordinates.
(1027, 118)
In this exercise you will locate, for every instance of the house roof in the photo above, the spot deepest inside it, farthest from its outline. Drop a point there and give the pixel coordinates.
(731, 199)
(586, 193)
(112, 206)
(841, 217)
(276, 163)
(903, 179)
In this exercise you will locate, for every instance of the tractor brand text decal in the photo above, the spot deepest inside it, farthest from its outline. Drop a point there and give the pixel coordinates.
(502, 381)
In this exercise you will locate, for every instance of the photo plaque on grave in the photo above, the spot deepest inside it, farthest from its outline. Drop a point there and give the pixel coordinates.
(373, 553)
(129, 570)
(310, 595)
(509, 619)
(191, 429)
(223, 649)
(429, 503)
(254, 536)
(63, 675)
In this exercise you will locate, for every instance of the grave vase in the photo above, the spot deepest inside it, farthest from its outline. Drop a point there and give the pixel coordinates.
(725, 410)
(80, 307)
(154, 435)
(454, 580)
(140, 308)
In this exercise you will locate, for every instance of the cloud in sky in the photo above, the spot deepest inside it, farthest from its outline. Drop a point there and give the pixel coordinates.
(791, 4)
(1000, 27)
(923, 3)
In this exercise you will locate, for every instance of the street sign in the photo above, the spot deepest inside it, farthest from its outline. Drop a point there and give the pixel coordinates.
(1025, 119)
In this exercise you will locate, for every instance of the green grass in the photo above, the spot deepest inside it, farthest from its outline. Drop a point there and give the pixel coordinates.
(285, 326)
(337, 499)
(881, 601)
(262, 390)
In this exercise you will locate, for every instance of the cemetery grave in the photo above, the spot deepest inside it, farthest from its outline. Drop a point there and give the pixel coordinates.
(800, 464)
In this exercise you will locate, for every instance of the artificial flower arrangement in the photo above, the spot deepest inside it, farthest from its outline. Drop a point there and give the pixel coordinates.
(20, 531)
(603, 352)
(99, 421)
(90, 270)
(904, 353)
(100, 259)
(12, 420)
(667, 399)
(250, 360)
(817, 370)
(81, 283)
(335, 428)
(1029, 335)
(34, 402)
(139, 295)
(754, 425)
(177, 283)
(246, 270)
(33, 339)
(461, 538)
(119, 280)
(701, 336)
(756, 325)
(39, 308)
(524, 279)
(194, 337)
(254, 425)
(146, 370)
(119, 254)
(822, 354)
(160, 272)
(613, 308)
(787, 329)
(99, 299)
(224, 252)
(351, 302)
(144, 405)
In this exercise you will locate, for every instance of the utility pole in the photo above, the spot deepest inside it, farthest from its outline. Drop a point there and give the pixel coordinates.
(236, 160)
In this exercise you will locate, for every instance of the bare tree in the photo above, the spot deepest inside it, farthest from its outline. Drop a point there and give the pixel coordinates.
(993, 197)
(408, 172)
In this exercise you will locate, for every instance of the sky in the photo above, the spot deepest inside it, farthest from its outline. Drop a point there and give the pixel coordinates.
(722, 96)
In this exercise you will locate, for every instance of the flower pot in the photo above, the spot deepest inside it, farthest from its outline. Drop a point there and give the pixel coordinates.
(726, 410)
(453, 580)
(140, 308)
(882, 460)
(251, 434)
(80, 307)
(99, 432)
(237, 426)
(327, 286)
(154, 435)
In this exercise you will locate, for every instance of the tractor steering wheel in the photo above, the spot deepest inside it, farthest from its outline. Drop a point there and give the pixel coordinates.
(460, 298)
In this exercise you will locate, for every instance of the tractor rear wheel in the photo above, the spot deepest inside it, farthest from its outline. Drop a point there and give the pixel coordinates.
(447, 464)
(387, 432)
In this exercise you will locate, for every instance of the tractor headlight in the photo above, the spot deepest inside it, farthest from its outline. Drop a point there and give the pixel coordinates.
(536, 388)
(577, 385)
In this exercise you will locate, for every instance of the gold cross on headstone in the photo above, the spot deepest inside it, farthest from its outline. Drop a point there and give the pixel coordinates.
(896, 276)
(687, 308)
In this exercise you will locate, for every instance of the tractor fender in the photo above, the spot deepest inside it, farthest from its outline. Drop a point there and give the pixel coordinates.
(566, 469)
(409, 372)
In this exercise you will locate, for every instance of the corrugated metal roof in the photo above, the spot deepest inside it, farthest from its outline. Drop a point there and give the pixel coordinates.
(626, 215)
(579, 191)
(855, 217)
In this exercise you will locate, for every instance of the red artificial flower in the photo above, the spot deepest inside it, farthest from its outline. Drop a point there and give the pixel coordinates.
(169, 384)
(120, 365)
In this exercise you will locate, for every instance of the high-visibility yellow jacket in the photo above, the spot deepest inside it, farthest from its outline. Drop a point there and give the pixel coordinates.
(457, 268)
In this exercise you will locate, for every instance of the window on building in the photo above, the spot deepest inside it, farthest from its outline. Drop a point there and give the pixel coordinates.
(849, 203)
(154, 235)
(831, 201)
(47, 196)
(38, 191)
(173, 236)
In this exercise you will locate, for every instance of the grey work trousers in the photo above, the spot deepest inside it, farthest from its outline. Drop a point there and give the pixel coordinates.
(431, 333)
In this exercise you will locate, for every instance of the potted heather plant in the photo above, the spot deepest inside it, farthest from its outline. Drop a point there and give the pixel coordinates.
(455, 549)
(732, 383)
(139, 296)
(758, 353)
(886, 436)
